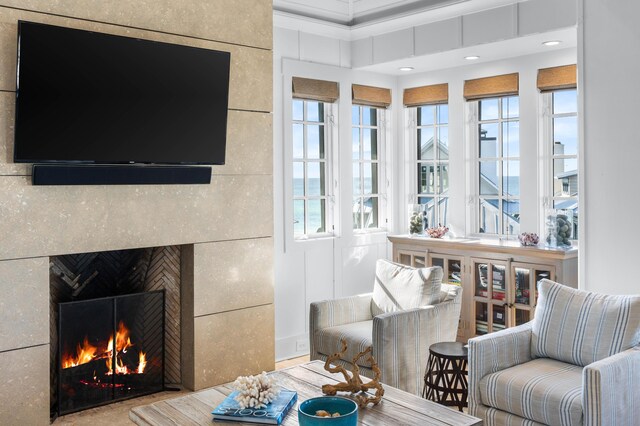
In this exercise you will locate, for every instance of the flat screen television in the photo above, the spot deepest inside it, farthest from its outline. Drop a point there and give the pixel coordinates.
(89, 97)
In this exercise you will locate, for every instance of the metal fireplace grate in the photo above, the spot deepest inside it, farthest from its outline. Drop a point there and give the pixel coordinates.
(110, 349)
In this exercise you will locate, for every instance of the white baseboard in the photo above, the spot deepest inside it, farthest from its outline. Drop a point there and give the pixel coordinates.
(290, 347)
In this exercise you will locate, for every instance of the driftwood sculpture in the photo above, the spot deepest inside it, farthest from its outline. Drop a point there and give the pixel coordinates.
(353, 383)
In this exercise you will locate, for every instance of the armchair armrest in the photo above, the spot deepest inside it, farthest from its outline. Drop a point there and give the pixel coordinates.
(494, 352)
(330, 313)
(401, 340)
(611, 389)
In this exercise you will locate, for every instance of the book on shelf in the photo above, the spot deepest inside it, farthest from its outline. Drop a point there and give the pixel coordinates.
(274, 413)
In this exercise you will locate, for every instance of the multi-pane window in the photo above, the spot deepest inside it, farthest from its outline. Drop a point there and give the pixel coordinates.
(366, 166)
(433, 161)
(564, 152)
(498, 166)
(310, 174)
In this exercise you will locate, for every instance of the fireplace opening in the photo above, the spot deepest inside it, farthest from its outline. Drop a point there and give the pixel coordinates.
(115, 326)
(110, 349)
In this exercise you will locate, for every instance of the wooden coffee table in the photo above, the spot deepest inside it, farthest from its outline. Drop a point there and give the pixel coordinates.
(397, 407)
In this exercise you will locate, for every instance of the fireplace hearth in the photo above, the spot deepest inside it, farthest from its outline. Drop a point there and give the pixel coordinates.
(110, 349)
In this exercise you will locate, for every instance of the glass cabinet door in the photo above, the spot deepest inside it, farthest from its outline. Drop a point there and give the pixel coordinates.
(481, 271)
(498, 282)
(417, 259)
(451, 267)
(499, 317)
(481, 318)
(491, 296)
(525, 277)
(454, 271)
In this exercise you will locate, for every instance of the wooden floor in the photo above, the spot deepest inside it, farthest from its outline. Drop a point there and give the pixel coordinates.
(118, 413)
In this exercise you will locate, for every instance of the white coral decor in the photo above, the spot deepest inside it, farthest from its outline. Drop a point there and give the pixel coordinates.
(255, 391)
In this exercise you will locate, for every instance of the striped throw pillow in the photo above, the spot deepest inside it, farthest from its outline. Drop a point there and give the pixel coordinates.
(580, 327)
(400, 287)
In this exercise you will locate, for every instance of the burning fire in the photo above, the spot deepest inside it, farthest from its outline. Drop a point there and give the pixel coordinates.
(86, 352)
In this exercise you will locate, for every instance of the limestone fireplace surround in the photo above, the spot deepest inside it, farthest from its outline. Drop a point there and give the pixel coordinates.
(220, 338)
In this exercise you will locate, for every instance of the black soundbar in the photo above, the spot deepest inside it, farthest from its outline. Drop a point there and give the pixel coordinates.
(119, 174)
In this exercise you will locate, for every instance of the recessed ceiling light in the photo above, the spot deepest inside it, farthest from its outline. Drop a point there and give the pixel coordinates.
(472, 57)
(406, 68)
(552, 43)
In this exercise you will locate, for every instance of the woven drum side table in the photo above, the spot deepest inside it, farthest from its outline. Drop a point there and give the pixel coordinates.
(445, 380)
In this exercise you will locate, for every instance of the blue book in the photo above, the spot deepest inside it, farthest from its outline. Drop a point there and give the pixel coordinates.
(273, 414)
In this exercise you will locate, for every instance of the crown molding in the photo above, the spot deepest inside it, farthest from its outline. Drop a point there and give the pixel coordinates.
(388, 24)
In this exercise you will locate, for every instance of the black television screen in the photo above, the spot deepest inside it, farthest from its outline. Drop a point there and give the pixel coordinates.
(83, 96)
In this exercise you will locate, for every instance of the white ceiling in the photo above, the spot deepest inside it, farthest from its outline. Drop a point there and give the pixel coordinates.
(357, 19)
(355, 12)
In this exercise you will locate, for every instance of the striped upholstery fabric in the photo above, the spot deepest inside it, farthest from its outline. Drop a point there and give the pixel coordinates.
(400, 339)
(357, 335)
(495, 417)
(612, 390)
(543, 390)
(494, 352)
(346, 310)
(581, 327)
(509, 386)
(399, 287)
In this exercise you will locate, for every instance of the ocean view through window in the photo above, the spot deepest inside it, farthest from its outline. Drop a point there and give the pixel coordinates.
(498, 159)
(310, 174)
(564, 152)
(366, 160)
(432, 136)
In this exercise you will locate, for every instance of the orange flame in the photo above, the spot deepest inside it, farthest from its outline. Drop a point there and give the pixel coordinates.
(143, 363)
(87, 353)
(84, 353)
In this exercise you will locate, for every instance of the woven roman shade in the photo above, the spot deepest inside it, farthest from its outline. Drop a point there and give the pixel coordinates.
(370, 95)
(425, 95)
(317, 90)
(557, 78)
(491, 87)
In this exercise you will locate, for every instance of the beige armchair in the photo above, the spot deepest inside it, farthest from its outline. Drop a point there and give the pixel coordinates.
(576, 363)
(401, 337)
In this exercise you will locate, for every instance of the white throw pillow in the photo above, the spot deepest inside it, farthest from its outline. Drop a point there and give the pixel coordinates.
(400, 287)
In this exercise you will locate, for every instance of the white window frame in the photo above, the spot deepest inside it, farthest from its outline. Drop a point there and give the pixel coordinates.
(473, 113)
(547, 155)
(436, 162)
(330, 183)
(381, 117)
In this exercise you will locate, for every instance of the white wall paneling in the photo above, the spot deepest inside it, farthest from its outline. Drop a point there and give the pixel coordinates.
(540, 16)
(608, 70)
(314, 48)
(311, 270)
(491, 25)
(362, 52)
(395, 45)
(467, 30)
(438, 36)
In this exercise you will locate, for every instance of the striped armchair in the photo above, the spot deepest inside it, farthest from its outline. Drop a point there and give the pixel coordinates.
(400, 339)
(576, 363)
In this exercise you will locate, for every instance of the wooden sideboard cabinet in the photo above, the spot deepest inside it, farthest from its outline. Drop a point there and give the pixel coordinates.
(498, 277)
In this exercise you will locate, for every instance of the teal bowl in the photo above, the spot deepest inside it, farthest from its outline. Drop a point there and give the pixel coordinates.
(347, 408)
